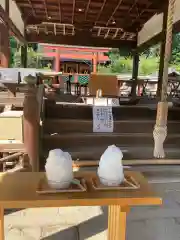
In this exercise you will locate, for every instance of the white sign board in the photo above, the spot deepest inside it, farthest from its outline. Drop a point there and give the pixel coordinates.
(102, 101)
(27, 71)
(102, 119)
(9, 75)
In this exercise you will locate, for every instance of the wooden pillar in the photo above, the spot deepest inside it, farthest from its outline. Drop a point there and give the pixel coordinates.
(94, 62)
(2, 235)
(31, 126)
(97, 68)
(4, 45)
(117, 222)
(24, 56)
(7, 6)
(160, 129)
(57, 60)
(135, 74)
(162, 52)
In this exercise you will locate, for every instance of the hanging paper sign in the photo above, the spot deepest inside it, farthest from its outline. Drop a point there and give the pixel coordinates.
(102, 119)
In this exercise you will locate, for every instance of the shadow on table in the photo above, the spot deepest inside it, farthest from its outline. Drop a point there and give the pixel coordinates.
(86, 229)
(9, 211)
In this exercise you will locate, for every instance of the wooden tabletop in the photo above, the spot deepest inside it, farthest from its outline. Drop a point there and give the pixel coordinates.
(18, 190)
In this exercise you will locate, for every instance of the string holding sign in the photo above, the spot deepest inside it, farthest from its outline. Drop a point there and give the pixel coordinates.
(102, 119)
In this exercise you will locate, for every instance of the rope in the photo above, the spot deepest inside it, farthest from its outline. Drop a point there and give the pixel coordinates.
(160, 129)
(168, 47)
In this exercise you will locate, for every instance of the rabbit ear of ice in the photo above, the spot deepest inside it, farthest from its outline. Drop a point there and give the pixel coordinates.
(111, 154)
(58, 157)
(55, 153)
(115, 149)
(68, 156)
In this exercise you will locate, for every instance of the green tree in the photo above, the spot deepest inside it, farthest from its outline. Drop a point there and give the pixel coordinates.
(148, 66)
(13, 48)
(33, 59)
(175, 57)
(152, 51)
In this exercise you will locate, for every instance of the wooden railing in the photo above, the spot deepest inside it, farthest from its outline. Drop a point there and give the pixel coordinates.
(32, 104)
(18, 161)
(33, 114)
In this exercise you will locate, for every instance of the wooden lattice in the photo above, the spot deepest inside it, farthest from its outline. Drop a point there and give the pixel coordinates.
(128, 15)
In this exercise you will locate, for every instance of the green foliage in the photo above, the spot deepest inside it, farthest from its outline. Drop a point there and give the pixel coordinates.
(13, 43)
(148, 66)
(125, 65)
(33, 46)
(104, 69)
(33, 59)
(121, 61)
(13, 48)
(152, 52)
(122, 65)
(175, 57)
(48, 67)
(149, 59)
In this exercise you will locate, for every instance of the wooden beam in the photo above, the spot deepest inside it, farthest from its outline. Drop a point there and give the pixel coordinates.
(11, 157)
(157, 38)
(100, 12)
(31, 126)
(7, 6)
(81, 39)
(24, 56)
(135, 74)
(154, 40)
(11, 25)
(4, 45)
(76, 49)
(115, 10)
(176, 27)
(132, 162)
(57, 60)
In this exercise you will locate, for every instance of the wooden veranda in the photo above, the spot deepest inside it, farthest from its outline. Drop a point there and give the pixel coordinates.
(94, 23)
(103, 23)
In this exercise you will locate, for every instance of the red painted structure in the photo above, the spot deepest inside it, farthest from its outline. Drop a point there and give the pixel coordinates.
(61, 53)
(4, 45)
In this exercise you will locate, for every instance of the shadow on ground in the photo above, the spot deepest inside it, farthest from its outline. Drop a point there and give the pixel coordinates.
(88, 228)
(67, 234)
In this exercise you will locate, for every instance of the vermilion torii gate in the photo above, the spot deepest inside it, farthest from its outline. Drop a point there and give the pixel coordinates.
(59, 53)
(105, 23)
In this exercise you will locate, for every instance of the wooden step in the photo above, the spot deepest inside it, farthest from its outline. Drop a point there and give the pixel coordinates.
(81, 111)
(15, 101)
(11, 147)
(129, 152)
(103, 139)
(51, 126)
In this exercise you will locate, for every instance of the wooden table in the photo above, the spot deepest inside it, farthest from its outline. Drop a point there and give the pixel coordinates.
(18, 190)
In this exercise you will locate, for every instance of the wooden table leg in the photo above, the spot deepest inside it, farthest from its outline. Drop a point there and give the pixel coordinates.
(117, 222)
(1, 223)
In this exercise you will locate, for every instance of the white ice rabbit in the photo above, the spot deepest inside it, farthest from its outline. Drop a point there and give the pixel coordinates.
(110, 170)
(59, 170)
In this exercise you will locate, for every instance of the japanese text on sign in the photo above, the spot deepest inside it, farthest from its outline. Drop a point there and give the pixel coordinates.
(102, 119)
